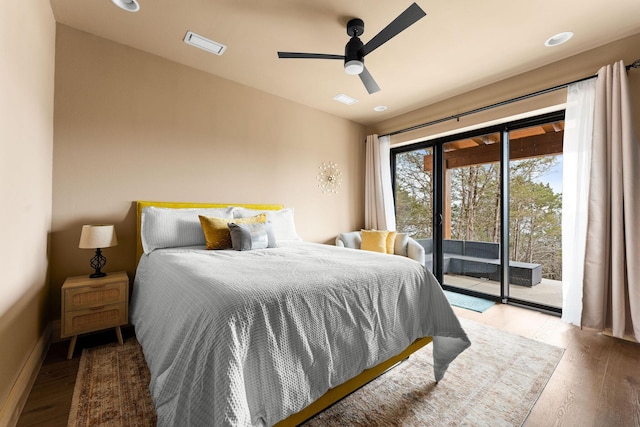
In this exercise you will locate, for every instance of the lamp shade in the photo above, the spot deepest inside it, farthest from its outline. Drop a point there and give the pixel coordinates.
(98, 236)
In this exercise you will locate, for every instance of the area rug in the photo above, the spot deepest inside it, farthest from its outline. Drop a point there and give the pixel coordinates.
(495, 382)
(112, 388)
(469, 302)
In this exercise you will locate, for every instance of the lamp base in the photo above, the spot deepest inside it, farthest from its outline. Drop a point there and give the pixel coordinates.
(97, 262)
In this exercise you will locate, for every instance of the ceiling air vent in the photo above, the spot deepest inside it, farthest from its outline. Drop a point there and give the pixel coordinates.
(345, 99)
(204, 43)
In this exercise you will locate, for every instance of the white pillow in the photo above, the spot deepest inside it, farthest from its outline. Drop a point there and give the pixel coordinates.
(170, 228)
(281, 220)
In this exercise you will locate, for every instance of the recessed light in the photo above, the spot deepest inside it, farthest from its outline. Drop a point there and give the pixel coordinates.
(345, 99)
(204, 43)
(558, 39)
(128, 5)
(380, 108)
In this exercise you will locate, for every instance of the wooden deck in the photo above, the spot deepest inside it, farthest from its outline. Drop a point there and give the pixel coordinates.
(548, 292)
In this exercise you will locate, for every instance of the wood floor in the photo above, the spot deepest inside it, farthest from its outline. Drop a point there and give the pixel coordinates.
(597, 382)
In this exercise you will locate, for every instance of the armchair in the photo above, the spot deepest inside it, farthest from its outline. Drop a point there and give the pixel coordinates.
(404, 245)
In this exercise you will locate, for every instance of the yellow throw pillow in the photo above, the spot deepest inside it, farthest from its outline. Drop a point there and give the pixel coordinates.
(373, 240)
(216, 231)
(391, 242)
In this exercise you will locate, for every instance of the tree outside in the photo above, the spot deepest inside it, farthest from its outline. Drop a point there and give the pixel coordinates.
(414, 194)
(535, 208)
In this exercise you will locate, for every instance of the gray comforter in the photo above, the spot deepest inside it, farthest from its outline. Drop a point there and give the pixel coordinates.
(249, 338)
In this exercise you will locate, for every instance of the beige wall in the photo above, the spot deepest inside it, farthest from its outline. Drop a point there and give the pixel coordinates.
(27, 34)
(133, 126)
(558, 73)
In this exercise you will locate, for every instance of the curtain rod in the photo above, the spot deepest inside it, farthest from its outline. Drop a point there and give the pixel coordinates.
(635, 64)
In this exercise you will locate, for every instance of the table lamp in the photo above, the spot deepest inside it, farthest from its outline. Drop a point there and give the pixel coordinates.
(98, 236)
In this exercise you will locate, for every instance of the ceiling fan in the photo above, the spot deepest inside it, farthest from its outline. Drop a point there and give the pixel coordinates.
(355, 50)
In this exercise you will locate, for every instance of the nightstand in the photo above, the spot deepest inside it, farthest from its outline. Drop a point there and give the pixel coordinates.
(90, 305)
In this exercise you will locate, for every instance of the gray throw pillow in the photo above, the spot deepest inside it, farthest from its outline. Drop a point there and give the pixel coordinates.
(245, 237)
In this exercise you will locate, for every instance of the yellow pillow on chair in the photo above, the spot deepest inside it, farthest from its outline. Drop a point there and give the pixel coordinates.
(382, 241)
(391, 242)
(374, 240)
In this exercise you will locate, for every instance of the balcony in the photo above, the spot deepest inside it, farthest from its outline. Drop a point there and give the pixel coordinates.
(547, 292)
(476, 266)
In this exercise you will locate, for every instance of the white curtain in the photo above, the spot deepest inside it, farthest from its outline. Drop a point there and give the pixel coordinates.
(379, 210)
(576, 167)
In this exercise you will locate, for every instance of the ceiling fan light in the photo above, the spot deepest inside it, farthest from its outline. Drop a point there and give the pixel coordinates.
(353, 67)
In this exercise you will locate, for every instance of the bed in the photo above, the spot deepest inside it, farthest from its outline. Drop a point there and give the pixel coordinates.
(272, 336)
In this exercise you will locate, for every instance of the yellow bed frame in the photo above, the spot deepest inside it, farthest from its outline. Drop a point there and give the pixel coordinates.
(331, 396)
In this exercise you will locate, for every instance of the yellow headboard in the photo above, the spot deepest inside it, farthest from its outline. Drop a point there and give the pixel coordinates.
(140, 204)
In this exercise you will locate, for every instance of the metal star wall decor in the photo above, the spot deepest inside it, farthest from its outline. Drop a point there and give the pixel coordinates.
(329, 178)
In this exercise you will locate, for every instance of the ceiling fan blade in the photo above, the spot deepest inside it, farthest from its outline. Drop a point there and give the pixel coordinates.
(369, 83)
(308, 55)
(407, 18)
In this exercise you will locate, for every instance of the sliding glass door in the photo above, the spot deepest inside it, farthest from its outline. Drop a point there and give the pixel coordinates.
(535, 214)
(471, 212)
(486, 206)
(414, 197)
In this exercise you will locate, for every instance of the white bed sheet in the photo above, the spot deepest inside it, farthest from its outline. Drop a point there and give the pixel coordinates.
(249, 338)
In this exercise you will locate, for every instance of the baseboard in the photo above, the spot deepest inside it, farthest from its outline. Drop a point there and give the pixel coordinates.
(12, 408)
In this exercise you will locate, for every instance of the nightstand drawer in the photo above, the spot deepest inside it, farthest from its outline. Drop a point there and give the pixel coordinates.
(94, 319)
(94, 296)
